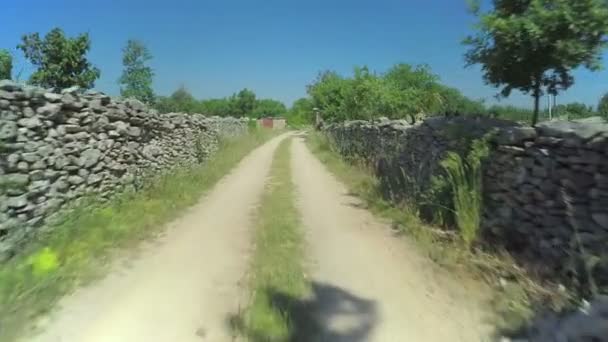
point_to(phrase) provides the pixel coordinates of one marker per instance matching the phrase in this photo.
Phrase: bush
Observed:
(465, 178)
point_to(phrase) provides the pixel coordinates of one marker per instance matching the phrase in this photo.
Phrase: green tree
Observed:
(243, 103)
(6, 65)
(136, 79)
(602, 107)
(269, 108)
(180, 101)
(574, 110)
(327, 93)
(533, 45)
(301, 113)
(219, 107)
(61, 60)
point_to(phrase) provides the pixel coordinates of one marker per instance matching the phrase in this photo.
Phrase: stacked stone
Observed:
(545, 188)
(57, 147)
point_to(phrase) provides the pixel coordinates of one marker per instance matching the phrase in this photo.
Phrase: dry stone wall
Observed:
(545, 188)
(57, 147)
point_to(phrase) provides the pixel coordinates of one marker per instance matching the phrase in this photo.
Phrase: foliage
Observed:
(61, 60)
(181, 101)
(136, 79)
(243, 103)
(219, 107)
(6, 65)
(301, 113)
(402, 92)
(465, 178)
(533, 45)
(31, 282)
(510, 113)
(268, 108)
(453, 102)
(602, 107)
(573, 110)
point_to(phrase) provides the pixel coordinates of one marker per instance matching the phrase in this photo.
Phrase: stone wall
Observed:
(57, 147)
(545, 188)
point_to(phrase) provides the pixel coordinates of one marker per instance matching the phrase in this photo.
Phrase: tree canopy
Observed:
(6, 65)
(136, 79)
(268, 108)
(61, 61)
(533, 45)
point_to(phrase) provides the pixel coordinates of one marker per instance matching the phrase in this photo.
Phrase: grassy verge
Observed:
(82, 241)
(277, 269)
(514, 291)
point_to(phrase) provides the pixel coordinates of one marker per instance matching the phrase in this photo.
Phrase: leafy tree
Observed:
(301, 113)
(575, 110)
(533, 45)
(6, 65)
(453, 102)
(136, 79)
(243, 103)
(510, 113)
(61, 60)
(269, 108)
(327, 93)
(602, 107)
(180, 101)
(219, 107)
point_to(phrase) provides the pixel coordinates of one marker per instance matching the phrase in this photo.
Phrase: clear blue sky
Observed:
(275, 47)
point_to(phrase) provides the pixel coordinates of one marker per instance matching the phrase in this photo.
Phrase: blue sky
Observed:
(275, 47)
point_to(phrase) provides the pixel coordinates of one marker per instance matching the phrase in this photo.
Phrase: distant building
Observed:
(273, 123)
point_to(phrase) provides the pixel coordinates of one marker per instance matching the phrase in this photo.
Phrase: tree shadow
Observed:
(328, 314)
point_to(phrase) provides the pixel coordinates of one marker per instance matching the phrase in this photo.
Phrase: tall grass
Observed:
(82, 241)
(465, 178)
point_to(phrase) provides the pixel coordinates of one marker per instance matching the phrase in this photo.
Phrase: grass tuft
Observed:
(277, 265)
(82, 240)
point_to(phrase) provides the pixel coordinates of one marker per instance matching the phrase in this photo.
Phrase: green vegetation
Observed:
(6, 65)
(465, 178)
(242, 104)
(534, 45)
(602, 107)
(61, 60)
(136, 79)
(301, 113)
(278, 258)
(83, 240)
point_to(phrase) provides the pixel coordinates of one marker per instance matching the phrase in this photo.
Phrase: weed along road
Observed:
(363, 283)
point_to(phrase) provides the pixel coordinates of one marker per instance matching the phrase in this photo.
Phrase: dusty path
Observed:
(182, 288)
(369, 285)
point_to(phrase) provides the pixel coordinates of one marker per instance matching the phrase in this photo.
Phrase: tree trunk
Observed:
(536, 102)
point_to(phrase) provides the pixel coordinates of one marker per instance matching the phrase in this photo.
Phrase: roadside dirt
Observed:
(183, 286)
(369, 285)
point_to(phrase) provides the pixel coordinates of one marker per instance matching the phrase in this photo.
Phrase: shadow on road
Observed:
(329, 314)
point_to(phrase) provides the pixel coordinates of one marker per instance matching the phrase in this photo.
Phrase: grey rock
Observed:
(134, 131)
(60, 186)
(23, 166)
(13, 180)
(601, 219)
(75, 180)
(31, 123)
(90, 157)
(30, 157)
(39, 187)
(8, 85)
(17, 202)
(52, 97)
(8, 130)
(71, 90)
(49, 111)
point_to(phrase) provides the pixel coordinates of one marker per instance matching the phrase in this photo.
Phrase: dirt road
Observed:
(368, 284)
(182, 288)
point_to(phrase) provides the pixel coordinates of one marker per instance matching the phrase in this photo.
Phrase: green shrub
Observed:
(465, 178)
